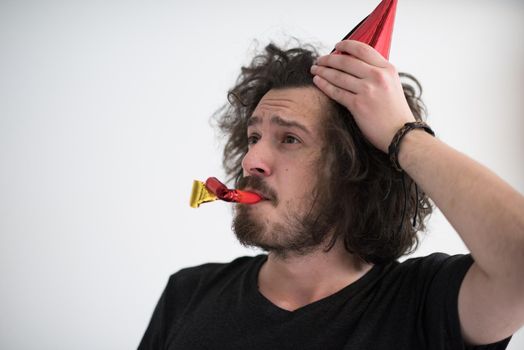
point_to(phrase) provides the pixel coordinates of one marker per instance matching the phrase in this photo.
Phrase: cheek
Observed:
(296, 173)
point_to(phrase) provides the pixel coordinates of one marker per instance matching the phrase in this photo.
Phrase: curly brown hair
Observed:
(372, 204)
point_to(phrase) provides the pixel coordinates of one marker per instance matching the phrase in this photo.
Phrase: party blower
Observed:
(213, 189)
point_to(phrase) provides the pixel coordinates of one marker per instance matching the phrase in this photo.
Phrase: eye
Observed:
(252, 139)
(290, 139)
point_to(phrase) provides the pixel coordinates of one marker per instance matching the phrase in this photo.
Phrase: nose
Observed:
(257, 161)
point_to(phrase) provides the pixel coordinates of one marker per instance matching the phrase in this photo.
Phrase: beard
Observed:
(303, 229)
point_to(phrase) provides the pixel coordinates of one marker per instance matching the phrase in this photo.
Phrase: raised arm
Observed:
(484, 210)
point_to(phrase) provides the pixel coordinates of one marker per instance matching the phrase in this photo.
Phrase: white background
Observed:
(104, 123)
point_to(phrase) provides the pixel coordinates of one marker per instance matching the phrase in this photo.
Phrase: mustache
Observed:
(256, 183)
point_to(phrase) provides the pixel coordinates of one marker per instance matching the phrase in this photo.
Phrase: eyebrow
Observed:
(278, 120)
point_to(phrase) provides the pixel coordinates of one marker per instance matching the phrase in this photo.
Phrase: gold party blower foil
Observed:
(200, 194)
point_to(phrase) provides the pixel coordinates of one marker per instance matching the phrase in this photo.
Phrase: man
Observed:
(336, 216)
(320, 139)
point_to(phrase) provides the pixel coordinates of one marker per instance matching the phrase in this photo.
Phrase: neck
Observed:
(294, 281)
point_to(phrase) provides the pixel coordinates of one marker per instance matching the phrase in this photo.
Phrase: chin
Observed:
(253, 224)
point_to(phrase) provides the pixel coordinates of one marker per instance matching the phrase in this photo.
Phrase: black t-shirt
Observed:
(409, 305)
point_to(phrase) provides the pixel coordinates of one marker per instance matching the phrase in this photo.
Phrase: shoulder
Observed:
(435, 282)
(211, 273)
(433, 272)
(419, 280)
(436, 262)
(188, 288)
(215, 268)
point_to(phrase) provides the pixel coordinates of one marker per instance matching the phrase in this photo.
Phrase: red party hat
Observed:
(376, 29)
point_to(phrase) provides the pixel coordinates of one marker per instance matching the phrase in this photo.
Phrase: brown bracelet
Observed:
(395, 143)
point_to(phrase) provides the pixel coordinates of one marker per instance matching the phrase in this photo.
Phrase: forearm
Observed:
(485, 211)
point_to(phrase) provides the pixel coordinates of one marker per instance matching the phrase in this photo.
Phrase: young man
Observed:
(321, 138)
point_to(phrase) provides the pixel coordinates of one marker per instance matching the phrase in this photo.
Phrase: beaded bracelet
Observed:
(395, 143)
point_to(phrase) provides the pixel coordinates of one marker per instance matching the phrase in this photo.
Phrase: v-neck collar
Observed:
(344, 293)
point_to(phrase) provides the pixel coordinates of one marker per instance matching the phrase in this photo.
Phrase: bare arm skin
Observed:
(486, 212)
(489, 216)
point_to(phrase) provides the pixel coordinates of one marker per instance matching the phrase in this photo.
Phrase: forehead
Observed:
(306, 105)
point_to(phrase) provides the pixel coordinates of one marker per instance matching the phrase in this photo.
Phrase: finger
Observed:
(342, 96)
(362, 51)
(346, 63)
(338, 78)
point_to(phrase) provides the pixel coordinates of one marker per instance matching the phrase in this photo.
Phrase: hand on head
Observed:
(369, 86)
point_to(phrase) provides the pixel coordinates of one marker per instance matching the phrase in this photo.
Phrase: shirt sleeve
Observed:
(442, 318)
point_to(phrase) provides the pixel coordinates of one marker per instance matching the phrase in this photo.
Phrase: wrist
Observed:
(399, 139)
(412, 142)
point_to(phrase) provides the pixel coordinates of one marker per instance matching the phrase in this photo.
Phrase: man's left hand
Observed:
(369, 86)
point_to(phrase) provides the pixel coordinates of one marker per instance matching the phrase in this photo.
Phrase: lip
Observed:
(264, 197)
